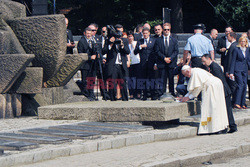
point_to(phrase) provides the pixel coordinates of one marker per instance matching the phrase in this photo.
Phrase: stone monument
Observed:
(33, 59)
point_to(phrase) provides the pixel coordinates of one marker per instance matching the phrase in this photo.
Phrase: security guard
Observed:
(198, 45)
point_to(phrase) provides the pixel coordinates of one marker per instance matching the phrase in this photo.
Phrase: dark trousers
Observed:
(230, 116)
(132, 80)
(166, 75)
(146, 82)
(86, 74)
(240, 93)
(170, 78)
(181, 89)
(118, 77)
(196, 62)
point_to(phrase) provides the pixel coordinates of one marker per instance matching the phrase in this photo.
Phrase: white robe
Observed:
(213, 106)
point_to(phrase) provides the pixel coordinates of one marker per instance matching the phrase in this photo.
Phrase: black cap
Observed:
(199, 26)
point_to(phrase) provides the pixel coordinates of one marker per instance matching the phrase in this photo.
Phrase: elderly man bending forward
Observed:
(213, 106)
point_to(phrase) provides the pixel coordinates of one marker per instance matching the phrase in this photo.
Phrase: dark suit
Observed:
(83, 47)
(228, 57)
(227, 64)
(69, 40)
(147, 61)
(166, 70)
(221, 44)
(239, 67)
(216, 70)
(138, 36)
(116, 72)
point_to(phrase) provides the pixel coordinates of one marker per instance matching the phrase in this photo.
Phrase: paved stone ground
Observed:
(141, 155)
(28, 122)
(157, 148)
(232, 162)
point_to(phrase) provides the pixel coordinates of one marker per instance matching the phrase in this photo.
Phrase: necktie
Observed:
(166, 45)
(90, 43)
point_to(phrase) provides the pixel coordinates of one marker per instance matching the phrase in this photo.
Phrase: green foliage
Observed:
(154, 22)
(236, 12)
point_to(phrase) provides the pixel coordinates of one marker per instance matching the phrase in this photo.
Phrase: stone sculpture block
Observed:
(11, 67)
(30, 81)
(67, 70)
(45, 37)
(11, 9)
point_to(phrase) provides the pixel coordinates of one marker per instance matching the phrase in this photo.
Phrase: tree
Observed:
(236, 12)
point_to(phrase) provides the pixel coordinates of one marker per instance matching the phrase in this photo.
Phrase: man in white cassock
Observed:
(213, 106)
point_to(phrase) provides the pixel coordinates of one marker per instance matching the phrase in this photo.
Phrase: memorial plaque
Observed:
(34, 138)
(16, 145)
(62, 133)
(112, 125)
(103, 131)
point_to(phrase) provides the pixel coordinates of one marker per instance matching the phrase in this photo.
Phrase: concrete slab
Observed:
(62, 133)
(33, 138)
(16, 145)
(107, 111)
(103, 131)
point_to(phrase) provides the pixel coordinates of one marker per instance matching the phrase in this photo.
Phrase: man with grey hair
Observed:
(213, 106)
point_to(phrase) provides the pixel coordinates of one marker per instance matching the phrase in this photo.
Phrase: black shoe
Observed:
(222, 131)
(154, 98)
(173, 94)
(106, 96)
(144, 98)
(232, 130)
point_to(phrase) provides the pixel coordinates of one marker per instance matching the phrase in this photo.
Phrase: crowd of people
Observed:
(142, 64)
(138, 65)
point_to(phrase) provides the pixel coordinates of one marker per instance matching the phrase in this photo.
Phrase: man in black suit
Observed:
(116, 66)
(213, 35)
(138, 35)
(216, 70)
(228, 58)
(158, 31)
(70, 40)
(223, 45)
(166, 48)
(85, 46)
(145, 48)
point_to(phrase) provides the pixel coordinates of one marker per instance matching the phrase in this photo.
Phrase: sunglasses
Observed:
(103, 31)
(93, 30)
(166, 29)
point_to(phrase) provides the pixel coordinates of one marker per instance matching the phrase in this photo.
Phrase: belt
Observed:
(195, 57)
